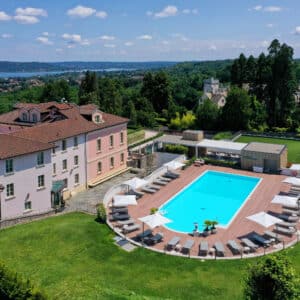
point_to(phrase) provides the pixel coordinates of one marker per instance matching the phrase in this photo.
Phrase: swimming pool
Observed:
(212, 196)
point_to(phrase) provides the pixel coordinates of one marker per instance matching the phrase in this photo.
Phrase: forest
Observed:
(261, 93)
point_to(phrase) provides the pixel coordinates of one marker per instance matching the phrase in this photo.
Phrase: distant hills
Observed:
(8, 66)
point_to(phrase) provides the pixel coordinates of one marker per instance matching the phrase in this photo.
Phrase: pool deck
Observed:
(260, 200)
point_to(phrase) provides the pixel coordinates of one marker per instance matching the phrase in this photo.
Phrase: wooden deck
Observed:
(259, 201)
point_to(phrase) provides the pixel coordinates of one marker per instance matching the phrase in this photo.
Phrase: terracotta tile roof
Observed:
(12, 146)
(43, 107)
(5, 128)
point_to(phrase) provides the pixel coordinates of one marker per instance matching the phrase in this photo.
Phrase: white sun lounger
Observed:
(173, 242)
(287, 231)
(288, 218)
(273, 235)
(203, 248)
(249, 244)
(164, 179)
(160, 182)
(187, 246)
(126, 222)
(286, 224)
(234, 247)
(131, 228)
(153, 187)
(220, 250)
(148, 190)
(291, 211)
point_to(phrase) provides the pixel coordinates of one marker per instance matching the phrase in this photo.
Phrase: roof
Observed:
(222, 146)
(265, 148)
(12, 146)
(176, 140)
(217, 98)
(5, 128)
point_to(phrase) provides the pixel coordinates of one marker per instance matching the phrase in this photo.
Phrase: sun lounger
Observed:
(290, 211)
(286, 224)
(131, 228)
(171, 175)
(249, 244)
(186, 248)
(125, 222)
(234, 247)
(260, 239)
(164, 179)
(154, 239)
(119, 210)
(220, 250)
(273, 235)
(173, 242)
(148, 190)
(291, 207)
(144, 234)
(288, 218)
(135, 193)
(203, 248)
(160, 182)
(118, 217)
(286, 231)
(153, 187)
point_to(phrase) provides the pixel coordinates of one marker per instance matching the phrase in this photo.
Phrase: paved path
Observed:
(89, 199)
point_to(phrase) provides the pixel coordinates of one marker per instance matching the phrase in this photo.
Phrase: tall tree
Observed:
(239, 71)
(207, 115)
(88, 88)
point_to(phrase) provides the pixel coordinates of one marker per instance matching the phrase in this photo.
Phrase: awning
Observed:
(222, 146)
(57, 186)
(155, 220)
(264, 219)
(124, 200)
(285, 200)
(174, 165)
(136, 182)
(295, 167)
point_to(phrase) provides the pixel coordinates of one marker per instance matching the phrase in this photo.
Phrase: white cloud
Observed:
(272, 9)
(44, 40)
(31, 11)
(195, 11)
(4, 16)
(186, 11)
(81, 11)
(73, 38)
(26, 19)
(101, 14)
(149, 13)
(109, 45)
(107, 38)
(213, 47)
(258, 7)
(128, 44)
(270, 25)
(168, 11)
(6, 36)
(180, 36)
(297, 30)
(265, 44)
(145, 37)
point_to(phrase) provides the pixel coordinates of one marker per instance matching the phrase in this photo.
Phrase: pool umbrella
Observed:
(174, 165)
(153, 221)
(264, 219)
(136, 182)
(285, 200)
(124, 200)
(292, 180)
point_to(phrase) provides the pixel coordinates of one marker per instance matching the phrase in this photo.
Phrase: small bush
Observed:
(280, 129)
(178, 149)
(153, 210)
(222, 163)
(12, 286)
(101, 213)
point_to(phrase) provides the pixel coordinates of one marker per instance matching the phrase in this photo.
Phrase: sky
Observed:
(144, 30)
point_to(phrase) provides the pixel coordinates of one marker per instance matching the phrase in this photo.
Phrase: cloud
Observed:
(145, 37)
(180, 36)
(213, 47)
(107, 38)
(128, 44)
(101, 14)
(265, 44)
(168, 11)
(109, 45)
(44, 40)
(6, 36)
(297, 30)
(31, 11)
(81, 11)
(272, 9)
(270, 25)
(26, 19)
(165, 43)
(149, 13)
(258, 7)
(188, 11)
(73, 38)
(4, 16)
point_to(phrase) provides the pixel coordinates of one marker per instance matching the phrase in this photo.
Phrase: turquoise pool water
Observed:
(212, 196)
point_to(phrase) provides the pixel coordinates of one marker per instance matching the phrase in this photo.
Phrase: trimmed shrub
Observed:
(178, 149)
(13, 287)
(222, 163)
(101, 213)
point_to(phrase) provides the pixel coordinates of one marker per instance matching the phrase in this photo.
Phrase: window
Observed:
(122, 137)
(122, 158)
(97, 119)
(24, 117)
(112, 162)
(76, 178)
(64, 164)
(40, 158)
(98, 145)
(64, 145)
(10, 190)
(76, 160)
(53, 151)
(34, 118)
(54, 169)
(99, 167)
(9, 166)
(111, 141)
(27, 205)
(41, 181)
(75, 141)
(65, 183)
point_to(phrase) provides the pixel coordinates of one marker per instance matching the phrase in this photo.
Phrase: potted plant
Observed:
(153, 210)
(213, 228)
(207, 225)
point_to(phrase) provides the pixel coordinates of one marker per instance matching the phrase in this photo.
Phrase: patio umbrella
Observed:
(285, 200)
(136, 182)
(153, 221)
(174, 165)
(292, 180)
(264, 219)
(124, 200)
(295, 167)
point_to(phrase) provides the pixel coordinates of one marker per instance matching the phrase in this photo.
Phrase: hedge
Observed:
(222, 163)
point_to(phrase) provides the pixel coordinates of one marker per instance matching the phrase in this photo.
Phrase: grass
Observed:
(225, 135)
(293, 146)
(135, 136)
(73, 257)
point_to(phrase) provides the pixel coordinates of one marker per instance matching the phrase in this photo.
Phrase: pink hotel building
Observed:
(50, 151)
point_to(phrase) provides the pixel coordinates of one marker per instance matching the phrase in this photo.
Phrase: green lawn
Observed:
(73, 257)
(293, 146)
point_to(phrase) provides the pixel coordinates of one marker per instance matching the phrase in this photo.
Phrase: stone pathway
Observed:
(88, 200)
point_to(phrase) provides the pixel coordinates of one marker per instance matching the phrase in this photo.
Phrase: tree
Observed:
(88, 89)
(272, 278)
(207, 115)
(132, 114)
(56, 91)
(239, 71)
(236, 113)
(259, 115)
